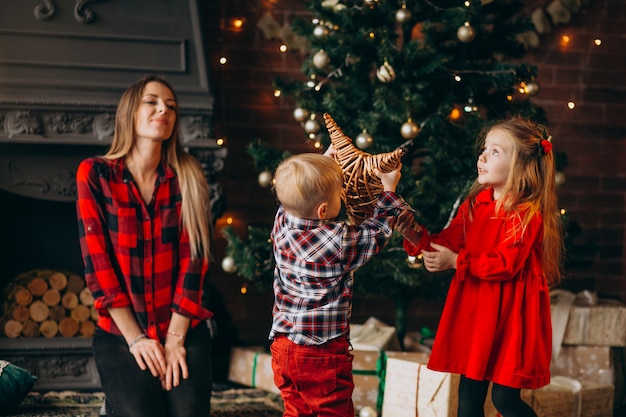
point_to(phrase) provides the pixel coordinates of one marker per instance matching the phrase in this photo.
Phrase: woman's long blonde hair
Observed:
(196, 215)
(531, 187)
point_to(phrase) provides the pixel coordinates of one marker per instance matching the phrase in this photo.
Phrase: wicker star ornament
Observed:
(361, 185)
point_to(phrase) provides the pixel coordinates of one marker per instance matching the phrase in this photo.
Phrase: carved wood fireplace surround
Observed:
(63, 66)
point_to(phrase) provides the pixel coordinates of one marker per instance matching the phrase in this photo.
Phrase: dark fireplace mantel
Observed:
(40, 149)
(63, 67)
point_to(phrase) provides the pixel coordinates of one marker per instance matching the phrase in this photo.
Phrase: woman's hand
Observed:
(149, 354)
(176, 359)
(439, 260)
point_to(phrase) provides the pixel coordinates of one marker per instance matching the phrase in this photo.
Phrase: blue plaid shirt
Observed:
(314, 262)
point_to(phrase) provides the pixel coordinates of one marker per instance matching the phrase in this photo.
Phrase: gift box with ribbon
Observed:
(584, 319)
(252, 367)
(570, 397)
(411, 389)
(370, 341)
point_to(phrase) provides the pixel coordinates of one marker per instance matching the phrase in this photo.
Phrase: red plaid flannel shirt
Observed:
(137, 255)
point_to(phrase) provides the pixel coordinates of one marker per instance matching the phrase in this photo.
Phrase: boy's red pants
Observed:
(315, 381)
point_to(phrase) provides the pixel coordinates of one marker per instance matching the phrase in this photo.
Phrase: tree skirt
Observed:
(245, 402)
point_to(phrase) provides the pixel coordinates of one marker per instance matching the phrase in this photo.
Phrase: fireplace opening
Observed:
(37, 234)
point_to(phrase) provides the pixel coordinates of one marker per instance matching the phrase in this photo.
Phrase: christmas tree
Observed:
(419, 74)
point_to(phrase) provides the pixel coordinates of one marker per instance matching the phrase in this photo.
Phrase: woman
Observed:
(145, 238)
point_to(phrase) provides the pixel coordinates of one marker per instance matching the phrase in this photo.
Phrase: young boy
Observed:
(315, 255)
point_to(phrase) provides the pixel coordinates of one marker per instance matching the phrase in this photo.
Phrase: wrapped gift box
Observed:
(566, 397)
(252, 366)
(374, 335)
(556, 400)
(602, 324)
(602, 364)
(370, 341)
(411, 389)
(585, 363)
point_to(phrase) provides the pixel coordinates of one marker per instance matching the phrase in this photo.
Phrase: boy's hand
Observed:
(391, 179)
(331, 152)
(409, 228)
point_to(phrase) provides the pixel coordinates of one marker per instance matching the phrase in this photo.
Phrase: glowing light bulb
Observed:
(223, 60)
(229, 220)
(598, 42)
(237, 23)
(455, 114)
(283, 48)
(571, 105)
(220, 141)
(457, 78)
(277, 93)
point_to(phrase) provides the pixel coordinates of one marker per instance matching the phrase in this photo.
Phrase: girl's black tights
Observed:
(472, 395)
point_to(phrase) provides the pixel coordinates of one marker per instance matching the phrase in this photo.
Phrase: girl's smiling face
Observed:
(494, 162)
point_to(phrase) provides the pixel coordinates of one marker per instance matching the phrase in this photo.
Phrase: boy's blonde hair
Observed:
(303, 181)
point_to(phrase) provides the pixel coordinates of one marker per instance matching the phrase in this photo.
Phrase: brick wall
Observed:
(593, 135)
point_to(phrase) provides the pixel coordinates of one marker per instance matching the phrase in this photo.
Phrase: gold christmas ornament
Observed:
(265, 179)
(409, 129)
(300, 114)
(364, 140)
(386, 73)
(466, 33)
(228, 265)
(321, 59)
(360, 183)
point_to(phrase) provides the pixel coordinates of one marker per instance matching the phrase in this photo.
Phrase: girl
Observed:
(144, 231)
(506, 246)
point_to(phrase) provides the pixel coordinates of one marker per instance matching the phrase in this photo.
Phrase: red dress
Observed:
(495, 323)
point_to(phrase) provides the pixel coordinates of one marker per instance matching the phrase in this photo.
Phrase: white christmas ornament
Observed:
(320, 31)
(386, 73)
(311, 126)
(228, 264)
(466, 33)
(321, 59)
(403, 15)
(364, 140)
(265, 179)
(368, 411)
(559, 178)
(409, 129)
(300, 114)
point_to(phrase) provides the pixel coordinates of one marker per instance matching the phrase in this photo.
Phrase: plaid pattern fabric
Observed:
(136, 255)
(314, 262)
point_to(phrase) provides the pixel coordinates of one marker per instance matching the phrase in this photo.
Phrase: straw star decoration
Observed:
(360, 182)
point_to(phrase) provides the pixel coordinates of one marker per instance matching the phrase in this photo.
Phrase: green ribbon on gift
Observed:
(379, 372)
(254, 362)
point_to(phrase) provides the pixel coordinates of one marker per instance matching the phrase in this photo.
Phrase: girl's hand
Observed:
(149, 354)
(391, 179)
(441, 259)
(176, 358)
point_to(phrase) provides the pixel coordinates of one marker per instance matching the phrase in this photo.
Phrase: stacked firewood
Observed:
(47, 303)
